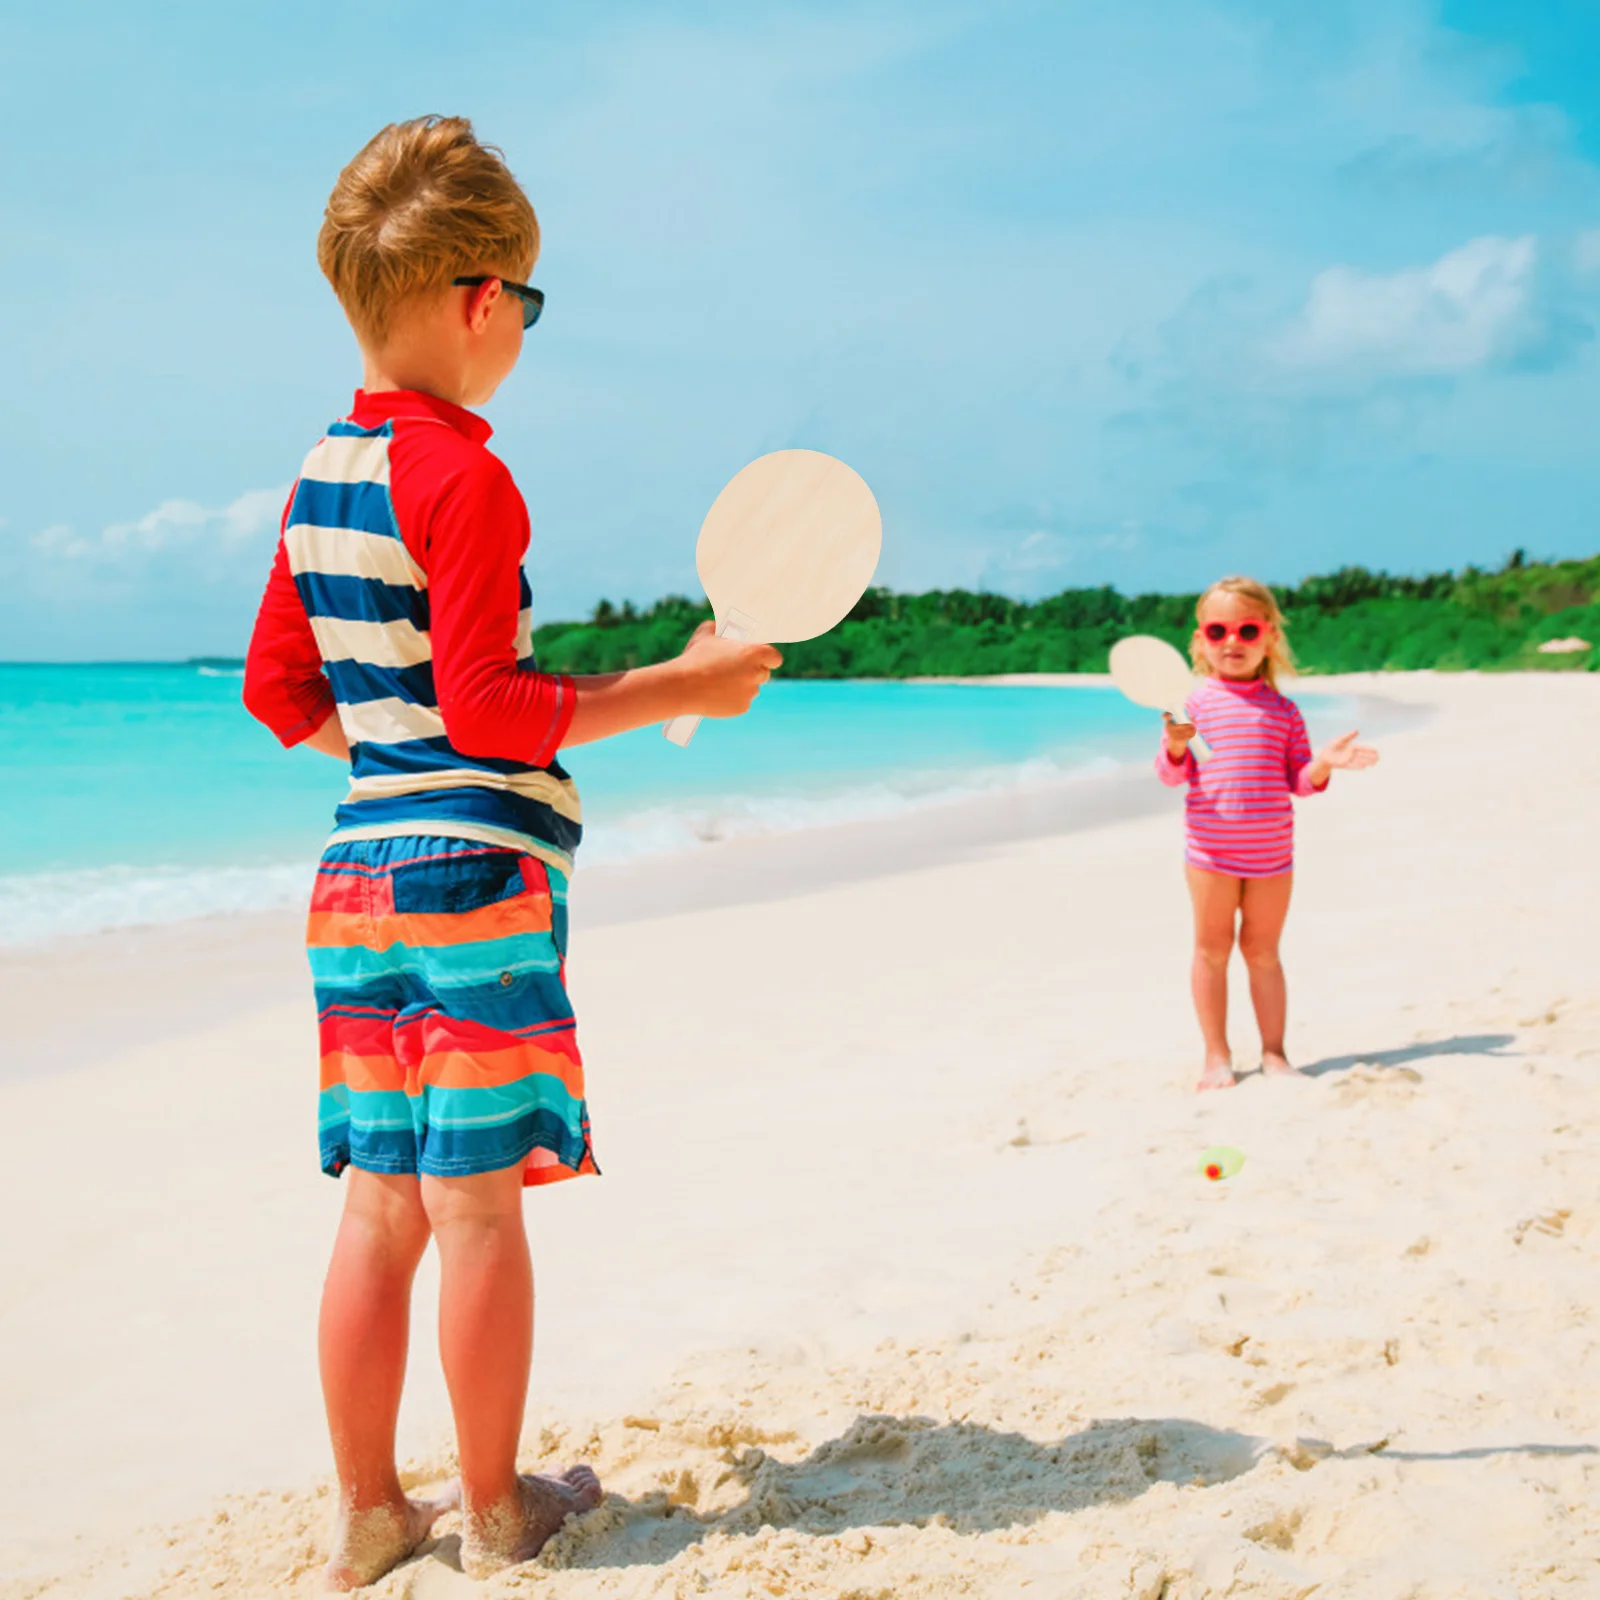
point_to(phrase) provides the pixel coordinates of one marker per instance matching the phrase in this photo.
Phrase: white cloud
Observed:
(59, 540)
(1039, 551)
(1473, 307)
(1040, 561)
(173, 524)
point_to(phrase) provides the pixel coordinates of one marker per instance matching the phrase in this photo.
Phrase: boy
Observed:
(395, 633)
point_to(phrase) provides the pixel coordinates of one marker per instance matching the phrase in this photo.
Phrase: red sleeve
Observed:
(1174, 773)
(284, 684)
(474, 537)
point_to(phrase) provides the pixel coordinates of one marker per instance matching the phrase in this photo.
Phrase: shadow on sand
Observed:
(887, 1471)
(1465, 1044)
(911, 1471)
(1486, 1451)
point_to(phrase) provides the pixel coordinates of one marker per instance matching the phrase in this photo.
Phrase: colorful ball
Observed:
(1220, 1162)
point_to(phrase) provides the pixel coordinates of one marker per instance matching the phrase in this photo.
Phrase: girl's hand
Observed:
(1178, 736)
(1345, 752)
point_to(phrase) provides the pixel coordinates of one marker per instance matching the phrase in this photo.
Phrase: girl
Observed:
(1240, 833)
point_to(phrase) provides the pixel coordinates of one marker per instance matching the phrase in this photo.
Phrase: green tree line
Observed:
(1352, 620)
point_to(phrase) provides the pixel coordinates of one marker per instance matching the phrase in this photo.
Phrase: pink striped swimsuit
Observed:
(1240, 818)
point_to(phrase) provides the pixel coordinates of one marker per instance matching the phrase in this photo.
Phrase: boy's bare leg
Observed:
(1216, 904)
(486, 1344)
(1266, 906)
(361, 1344)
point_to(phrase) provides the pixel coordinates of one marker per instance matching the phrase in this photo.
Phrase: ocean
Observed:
(145, 793)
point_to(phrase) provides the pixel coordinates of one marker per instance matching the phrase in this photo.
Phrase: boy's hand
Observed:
(1178, 736)
(720, 677)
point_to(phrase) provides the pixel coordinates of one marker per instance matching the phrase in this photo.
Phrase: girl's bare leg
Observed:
(1216, 905)
(361, 1346)
(1265, 906)
(486, 1344)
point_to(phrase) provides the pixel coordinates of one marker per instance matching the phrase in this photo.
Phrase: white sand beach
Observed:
(902, 1279)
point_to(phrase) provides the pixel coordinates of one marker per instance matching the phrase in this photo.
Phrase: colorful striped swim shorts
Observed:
(448, 1042)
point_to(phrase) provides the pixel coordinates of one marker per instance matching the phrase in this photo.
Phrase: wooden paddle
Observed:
(786, 549)
(1151, 673)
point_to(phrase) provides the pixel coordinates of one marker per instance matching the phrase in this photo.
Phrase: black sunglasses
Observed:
(532, 299)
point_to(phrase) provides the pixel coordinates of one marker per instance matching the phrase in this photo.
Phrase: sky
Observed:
(1100, 291)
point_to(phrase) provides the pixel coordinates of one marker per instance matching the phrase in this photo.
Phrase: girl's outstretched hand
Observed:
(1345, 752)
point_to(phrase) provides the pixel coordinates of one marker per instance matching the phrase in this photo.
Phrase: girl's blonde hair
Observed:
(1279, 659)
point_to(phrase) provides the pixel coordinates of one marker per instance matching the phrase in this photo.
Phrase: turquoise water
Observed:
(146, 793)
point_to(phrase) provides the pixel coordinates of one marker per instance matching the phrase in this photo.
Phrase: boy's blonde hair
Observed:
(1279, 659)
(424, 202)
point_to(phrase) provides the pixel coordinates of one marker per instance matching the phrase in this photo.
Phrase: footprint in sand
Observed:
(1552, 1224)
(1367, 1083)
(1035, 1136)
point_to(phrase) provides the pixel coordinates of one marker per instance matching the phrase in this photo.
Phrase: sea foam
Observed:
(39, 907)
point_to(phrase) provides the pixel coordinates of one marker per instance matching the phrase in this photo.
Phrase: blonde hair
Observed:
(1279, 659)
(423, 202)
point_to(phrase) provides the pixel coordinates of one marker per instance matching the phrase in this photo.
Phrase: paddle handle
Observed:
(1202, 751)
(680, 730)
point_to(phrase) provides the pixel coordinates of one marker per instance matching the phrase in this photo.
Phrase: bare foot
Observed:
(516, 1531)
(369, 1543)
(1275, 1064)
(1216, 1074)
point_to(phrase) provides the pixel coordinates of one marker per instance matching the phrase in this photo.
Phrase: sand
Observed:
(902, 1279)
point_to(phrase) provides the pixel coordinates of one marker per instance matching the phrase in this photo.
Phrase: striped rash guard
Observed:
(397, 598)
(1239, 815)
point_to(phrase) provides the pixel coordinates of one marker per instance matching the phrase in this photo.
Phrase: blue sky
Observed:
(1126, 291)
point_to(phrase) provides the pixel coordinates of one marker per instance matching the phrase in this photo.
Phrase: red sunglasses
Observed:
(1248, 632)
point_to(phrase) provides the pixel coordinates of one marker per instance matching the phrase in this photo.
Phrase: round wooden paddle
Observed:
(1151, 673)
(786, 549)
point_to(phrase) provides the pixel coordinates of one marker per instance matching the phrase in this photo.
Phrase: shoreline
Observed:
(1307, 682)
(246, 960)
(250, 959)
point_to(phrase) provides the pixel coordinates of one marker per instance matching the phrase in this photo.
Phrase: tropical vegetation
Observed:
(1347, 621)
